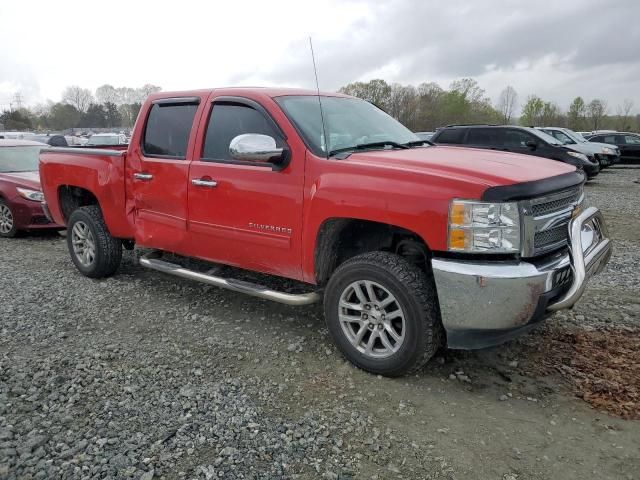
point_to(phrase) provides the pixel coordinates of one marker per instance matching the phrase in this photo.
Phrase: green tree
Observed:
(596, 110)
(63, 116)
(532, 111)
(112, 115)
(20, 119)
(375, 91)
(95, 116)
(576, 115)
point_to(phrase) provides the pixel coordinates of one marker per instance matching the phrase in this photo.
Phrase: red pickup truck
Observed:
(410, 246)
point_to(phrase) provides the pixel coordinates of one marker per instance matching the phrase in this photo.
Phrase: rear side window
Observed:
(484, 136)
(452, 136)
(609, 139)
(167, 131)
(631, 140)
(227, 121)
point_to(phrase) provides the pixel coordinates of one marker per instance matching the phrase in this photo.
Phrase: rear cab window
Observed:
(168, 128)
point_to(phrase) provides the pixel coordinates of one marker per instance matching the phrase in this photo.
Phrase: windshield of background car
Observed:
(574, 136)
(559, 135)
(545, 136)
(348, 122)
(106, 140)
(19, 159)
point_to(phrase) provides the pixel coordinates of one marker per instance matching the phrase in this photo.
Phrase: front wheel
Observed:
(382, 313)
(93, 250)
(8, 228)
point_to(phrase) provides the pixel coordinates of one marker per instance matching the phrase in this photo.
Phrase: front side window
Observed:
(167, 131)
(517, 139)
(19, 159)
(561, 136)
(348, 122)
(631, 140)
(608, 139)
(227, 121)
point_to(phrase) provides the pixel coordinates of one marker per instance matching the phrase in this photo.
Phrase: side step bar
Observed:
(152, 261)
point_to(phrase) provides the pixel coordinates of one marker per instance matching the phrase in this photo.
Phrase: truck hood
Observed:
(475, 165)
(24, 179)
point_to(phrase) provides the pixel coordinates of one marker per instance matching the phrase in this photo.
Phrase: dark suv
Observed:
(628, 143)
(517, 140)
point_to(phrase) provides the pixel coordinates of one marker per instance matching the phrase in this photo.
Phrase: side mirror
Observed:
(532, 144)
(254, 147)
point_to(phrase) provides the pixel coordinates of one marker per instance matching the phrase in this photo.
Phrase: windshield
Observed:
(545, 136)
(348, 121)
(19, 159)
(574, 136)
(560, 135)
(103, 140)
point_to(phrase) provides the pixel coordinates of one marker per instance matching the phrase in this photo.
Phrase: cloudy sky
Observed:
(555, 49)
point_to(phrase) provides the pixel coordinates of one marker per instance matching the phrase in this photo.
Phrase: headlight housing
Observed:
(579, 155)
(481, 227)
(35, 195)
(607, 151)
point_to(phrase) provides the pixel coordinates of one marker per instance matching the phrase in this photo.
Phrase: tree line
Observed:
(428, 106)
(107, 107)
(421, 108)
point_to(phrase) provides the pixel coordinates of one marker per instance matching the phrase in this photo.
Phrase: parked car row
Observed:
(410, 245)
(628, 143)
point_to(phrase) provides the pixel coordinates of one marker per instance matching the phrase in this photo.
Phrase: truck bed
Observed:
(98, 172)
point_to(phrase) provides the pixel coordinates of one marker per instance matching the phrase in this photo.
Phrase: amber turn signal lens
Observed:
(457, 214)
(456, 239)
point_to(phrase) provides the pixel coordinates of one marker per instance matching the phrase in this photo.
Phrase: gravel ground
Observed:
(147, 376)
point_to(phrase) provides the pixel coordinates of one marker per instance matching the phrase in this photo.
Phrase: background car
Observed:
(627, 142)
(524, 140)
(102, 139)
(20, 194)
(606, 154)
(54, 140)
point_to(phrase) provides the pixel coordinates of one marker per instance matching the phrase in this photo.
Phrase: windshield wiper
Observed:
(364, 146)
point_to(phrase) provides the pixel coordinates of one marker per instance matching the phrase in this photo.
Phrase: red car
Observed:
(20, 194)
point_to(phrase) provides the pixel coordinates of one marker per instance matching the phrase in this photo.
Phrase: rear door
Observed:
(159, 170)
(243, 213)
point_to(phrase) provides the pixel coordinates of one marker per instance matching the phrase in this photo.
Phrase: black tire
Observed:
(415, 293)
(108, 250)
(14, 230)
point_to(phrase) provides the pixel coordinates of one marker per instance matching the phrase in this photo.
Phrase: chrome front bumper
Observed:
(487, 303)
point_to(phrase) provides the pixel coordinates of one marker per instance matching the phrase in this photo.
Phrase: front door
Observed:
(630, 147)
(158, 168)
(245, 213)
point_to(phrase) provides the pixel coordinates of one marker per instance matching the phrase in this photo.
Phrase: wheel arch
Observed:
(338, 239)
(71, 197)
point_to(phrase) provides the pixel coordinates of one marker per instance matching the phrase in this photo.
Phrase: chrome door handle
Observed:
(145, 177)
(198, 182)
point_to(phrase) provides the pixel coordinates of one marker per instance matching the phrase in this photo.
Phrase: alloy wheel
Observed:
(372, 319)
(6, 219)
(84, 246)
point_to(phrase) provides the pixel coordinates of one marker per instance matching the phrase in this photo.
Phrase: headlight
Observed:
(581, 156)
(479, 227)
(35, 195)
(607, 151)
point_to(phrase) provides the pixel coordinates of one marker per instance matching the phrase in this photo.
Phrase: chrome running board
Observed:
(152, 261)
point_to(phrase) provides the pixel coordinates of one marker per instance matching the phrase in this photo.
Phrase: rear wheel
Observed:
(8, 227)
(94, 251)
(382, 313)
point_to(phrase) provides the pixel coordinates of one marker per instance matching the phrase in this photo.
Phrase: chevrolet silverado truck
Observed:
(410, 246)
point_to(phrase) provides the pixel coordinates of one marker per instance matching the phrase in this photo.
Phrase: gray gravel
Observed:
(146, 376)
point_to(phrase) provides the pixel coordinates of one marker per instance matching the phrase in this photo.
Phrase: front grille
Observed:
(39, 220)
(562, 276)
(546, 207)
(551, 237)
(546, 220)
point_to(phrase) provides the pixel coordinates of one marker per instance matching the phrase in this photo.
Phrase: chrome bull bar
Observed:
(586, 260)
